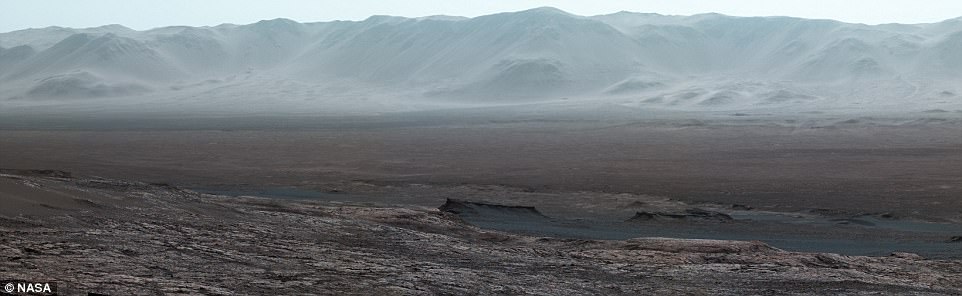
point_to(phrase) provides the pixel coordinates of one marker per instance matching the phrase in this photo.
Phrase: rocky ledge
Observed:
(120, 238)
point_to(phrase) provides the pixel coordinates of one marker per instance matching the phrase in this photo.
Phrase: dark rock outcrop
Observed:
(852, 221)
(37, 173)
(694, 214)
(460, 207)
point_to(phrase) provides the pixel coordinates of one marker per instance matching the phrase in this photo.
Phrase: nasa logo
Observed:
(29, 288)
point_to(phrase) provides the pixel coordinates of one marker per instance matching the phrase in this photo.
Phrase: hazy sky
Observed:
(143, 14)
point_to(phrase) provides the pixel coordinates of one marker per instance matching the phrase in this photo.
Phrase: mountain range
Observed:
(638, 60)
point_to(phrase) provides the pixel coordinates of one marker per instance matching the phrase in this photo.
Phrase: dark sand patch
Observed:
(865, 236)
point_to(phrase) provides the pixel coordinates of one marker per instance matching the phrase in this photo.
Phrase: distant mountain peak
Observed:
(277, 21)
(384, 18)
(545, 10)
(112, 28)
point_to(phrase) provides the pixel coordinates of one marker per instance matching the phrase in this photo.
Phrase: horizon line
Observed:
(469, 18)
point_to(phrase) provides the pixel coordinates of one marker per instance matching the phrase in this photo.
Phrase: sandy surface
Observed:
(909, 170)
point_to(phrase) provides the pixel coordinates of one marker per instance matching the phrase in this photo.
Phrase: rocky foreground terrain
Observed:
(94, 235)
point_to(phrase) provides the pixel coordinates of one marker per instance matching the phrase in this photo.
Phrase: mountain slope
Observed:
(705, 62)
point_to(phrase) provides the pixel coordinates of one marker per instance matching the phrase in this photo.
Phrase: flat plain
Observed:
(911, 170)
